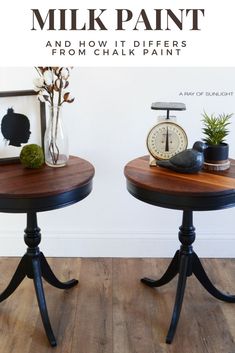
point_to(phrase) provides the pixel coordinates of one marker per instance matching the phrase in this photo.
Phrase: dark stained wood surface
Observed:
(166, 181)
(17, 181)
(201, 191)
(111, 311)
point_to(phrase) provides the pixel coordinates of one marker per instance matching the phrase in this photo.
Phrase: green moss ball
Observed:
(31, 156)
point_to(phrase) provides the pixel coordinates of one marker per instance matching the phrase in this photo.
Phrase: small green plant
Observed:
(215, 128)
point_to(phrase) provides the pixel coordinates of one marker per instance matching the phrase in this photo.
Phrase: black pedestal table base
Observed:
(35, 266)
(185, 263)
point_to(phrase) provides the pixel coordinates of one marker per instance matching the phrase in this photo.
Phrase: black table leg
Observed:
(37, 279)
(170, 273)
(179, 297)
(35, 266)
(185, 262)
(201, 275)
(17, 278)
(49, 276)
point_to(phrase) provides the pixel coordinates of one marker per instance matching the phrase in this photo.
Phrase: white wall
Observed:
(107, 125)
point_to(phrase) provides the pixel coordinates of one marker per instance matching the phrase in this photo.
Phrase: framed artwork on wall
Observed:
(22, 121)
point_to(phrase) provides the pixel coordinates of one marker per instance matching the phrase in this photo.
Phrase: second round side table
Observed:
(36, 190)
(187, 192)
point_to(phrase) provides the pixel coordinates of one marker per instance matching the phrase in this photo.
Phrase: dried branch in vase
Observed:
(52, 84)
(52, 87)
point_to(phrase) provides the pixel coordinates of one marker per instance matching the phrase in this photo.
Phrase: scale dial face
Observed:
(166, 139)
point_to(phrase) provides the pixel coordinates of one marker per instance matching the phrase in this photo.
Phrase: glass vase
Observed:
(56, 139)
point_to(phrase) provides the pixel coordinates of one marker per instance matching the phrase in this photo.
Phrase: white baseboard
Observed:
(123, 244)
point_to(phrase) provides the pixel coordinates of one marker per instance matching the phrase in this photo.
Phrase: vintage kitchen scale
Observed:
(167, 137)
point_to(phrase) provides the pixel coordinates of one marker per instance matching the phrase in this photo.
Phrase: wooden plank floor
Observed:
(110, 311)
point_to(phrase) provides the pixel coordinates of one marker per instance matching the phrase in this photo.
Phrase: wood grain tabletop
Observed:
(139, 173)
(17, 181)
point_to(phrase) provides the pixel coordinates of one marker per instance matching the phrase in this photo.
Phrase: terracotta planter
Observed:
(216, 154)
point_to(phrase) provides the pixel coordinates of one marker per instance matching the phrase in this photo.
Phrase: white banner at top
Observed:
(117, 33)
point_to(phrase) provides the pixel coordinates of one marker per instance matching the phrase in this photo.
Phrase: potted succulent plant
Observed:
(215, 131)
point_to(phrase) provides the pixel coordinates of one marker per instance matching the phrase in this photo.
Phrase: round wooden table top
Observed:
(46, 188)
(165, 188)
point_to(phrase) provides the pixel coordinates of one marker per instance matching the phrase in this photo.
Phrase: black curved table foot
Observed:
(186, 262)
(179, 297)
(35, 266)
(50, 277)
(17, 278)
(170, 273)
(202, 277)
(42, 301)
